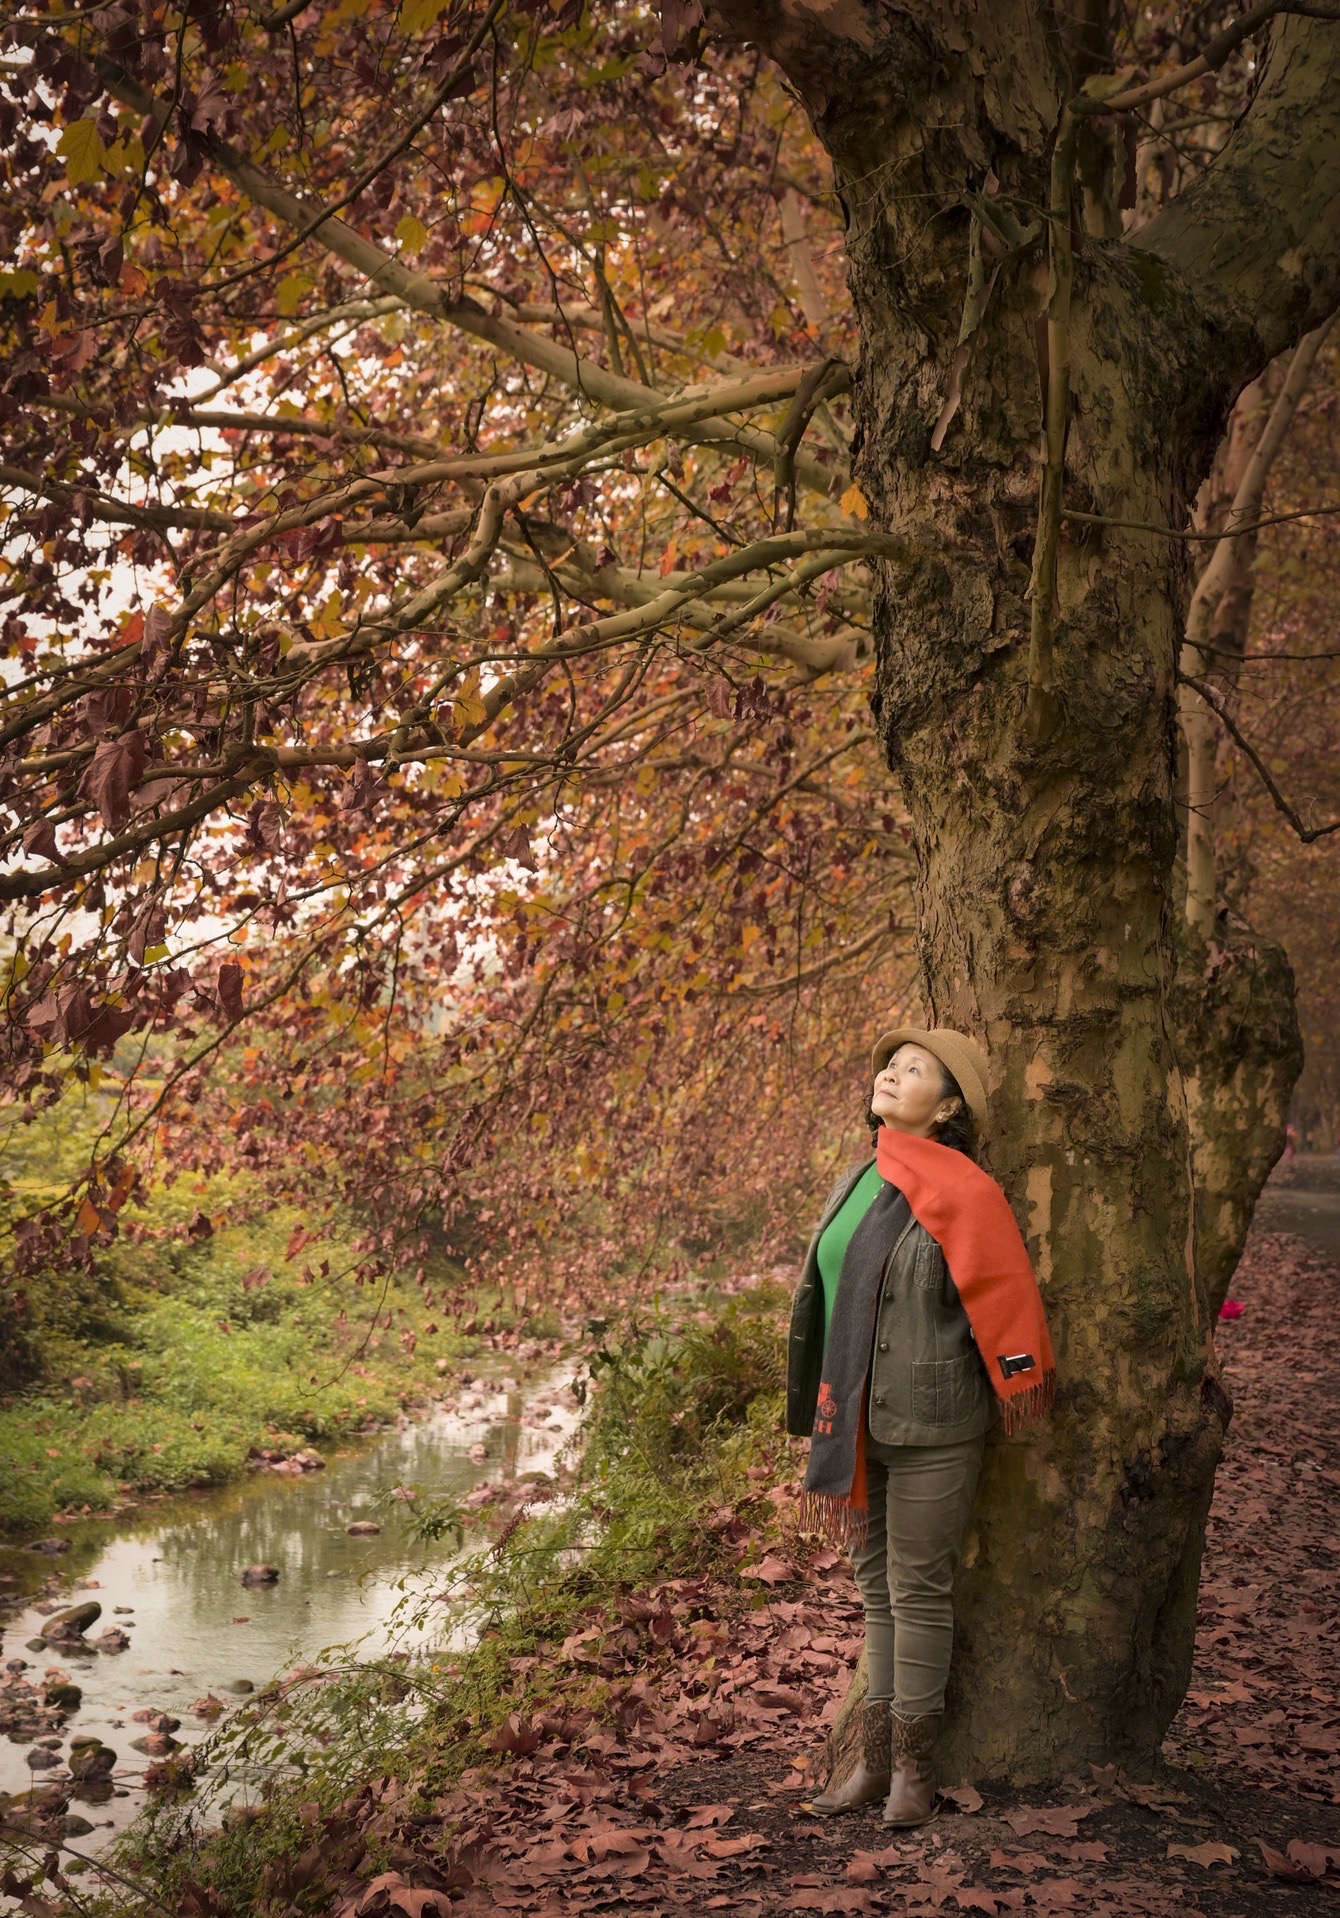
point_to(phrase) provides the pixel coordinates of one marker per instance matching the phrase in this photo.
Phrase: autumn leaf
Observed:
(770, 1570)
(854, 503)
(1210, 1853)
(1059, 1821)
(82, 151)
(290, 293)
(112, 776)
(416, 16)
(964, 1798)
(229, 986)
(411, 233)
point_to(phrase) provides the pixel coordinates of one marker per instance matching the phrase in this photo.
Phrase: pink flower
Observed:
(1231, 1309)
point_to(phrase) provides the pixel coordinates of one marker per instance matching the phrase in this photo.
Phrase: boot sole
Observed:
(910, 1824)
(837, 1811)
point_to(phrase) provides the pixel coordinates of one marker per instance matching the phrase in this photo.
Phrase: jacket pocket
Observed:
(928, 1274)
(944, 1390)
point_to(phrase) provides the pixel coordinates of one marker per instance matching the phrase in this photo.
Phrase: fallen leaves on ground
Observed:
(667, 1772)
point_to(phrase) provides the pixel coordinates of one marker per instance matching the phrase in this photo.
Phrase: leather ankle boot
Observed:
(870, 1780)
(912, 1788)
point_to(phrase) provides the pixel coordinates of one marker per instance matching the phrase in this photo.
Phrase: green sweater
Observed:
(836, 1236)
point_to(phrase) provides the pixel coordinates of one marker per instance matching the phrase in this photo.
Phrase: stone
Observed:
(309, 1460)
(157, 1720)
(363, 1528)
(260, 1575)
(155, 1744)
(40, 1759)
(73, 1826)
(53, 1547)
(91, 1760)
(112, 1640)
(239, 1685)
(74, 1621)
(63, 1697)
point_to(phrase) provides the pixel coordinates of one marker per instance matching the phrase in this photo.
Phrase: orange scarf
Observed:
(965, 1211)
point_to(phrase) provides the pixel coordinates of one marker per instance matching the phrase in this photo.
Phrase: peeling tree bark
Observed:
(1046, 854)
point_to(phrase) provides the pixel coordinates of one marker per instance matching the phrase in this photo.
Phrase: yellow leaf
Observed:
(18, 285)
(854, 503)
(415, 15)
(87, 1219)
(290, 291)
(411, 233)
(328, 623)
(82, 152)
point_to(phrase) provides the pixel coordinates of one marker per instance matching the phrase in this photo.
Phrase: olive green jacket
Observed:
(928, 1385)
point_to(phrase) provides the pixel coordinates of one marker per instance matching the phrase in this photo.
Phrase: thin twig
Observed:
(1306, 833)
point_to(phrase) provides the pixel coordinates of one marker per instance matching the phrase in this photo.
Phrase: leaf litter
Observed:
(705, 1697)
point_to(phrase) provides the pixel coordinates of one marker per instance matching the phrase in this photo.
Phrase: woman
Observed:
(917, 1312)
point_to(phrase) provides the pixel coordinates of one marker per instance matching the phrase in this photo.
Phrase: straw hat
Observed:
(957, 1051)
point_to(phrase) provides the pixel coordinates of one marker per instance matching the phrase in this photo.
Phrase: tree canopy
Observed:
(439, 629)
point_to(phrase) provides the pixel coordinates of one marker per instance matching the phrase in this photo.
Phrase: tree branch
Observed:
(1256, 239)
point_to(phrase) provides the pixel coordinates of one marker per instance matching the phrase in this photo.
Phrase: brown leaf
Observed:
(1317, 1859)
(1060, 1821)
(230, 990)
(964, 1798)
(112, 775)
(709, 1815)
(1210, 1853)
(770, 1570)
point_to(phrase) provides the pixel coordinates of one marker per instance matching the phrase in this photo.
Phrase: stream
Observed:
(169, 1573)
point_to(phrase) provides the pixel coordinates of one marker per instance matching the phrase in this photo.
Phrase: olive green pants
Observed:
(920, 1498)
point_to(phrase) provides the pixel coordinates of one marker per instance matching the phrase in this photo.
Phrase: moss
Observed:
(1154, 279)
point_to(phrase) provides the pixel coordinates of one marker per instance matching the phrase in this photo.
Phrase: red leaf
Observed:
(230, 992)
(112, 776)
(41, 838)
(770, 1570)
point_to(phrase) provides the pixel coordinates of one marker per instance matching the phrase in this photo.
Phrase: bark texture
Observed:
(1046, 854)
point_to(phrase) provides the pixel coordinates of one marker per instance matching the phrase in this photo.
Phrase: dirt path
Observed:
(1304, 1198)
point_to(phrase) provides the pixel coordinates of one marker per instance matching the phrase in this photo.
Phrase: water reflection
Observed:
(195, 1629)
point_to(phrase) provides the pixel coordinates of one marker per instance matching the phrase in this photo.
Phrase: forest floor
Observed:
(687, 1788)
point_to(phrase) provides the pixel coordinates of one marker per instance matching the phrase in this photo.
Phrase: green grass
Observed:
(168, 1363)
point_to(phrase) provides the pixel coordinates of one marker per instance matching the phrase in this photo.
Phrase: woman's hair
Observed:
(959, 1130)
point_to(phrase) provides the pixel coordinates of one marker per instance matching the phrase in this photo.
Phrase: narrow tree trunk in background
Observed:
(1046, 893)
(1241, 1052)
(1219, 619)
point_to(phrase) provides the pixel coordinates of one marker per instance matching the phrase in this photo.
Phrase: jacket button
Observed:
(879, 1401)
(884, 1345)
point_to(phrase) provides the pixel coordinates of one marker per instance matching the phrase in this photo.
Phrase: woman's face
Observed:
(909, 1093)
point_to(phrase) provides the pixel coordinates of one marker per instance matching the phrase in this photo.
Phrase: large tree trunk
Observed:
(1046, 850)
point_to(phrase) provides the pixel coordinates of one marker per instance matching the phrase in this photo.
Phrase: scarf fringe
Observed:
(1029, 1406)
(835, 1520)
